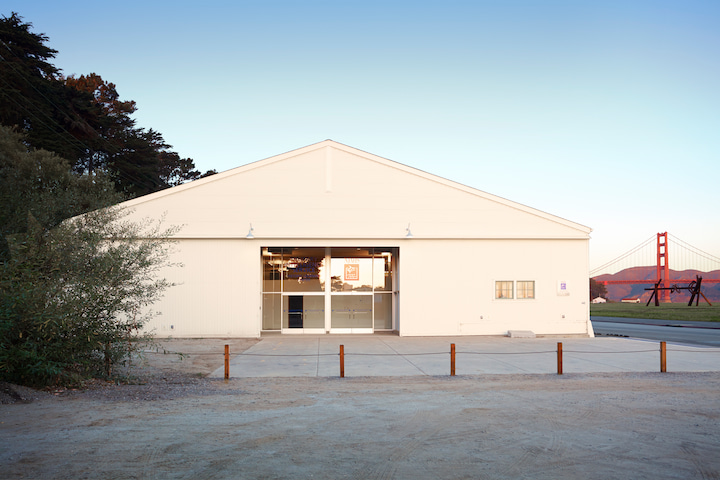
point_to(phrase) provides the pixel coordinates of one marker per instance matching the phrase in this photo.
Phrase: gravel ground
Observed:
(174, 368)
(175, 423)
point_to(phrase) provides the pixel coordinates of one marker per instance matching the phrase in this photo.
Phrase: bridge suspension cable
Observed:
(682, 256)
(690, 257)
(599, 270)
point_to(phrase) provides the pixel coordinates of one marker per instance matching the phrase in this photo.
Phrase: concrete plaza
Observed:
(390, 355)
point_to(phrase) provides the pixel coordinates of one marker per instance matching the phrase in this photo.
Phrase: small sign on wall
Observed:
(352, 272)
(563, 289)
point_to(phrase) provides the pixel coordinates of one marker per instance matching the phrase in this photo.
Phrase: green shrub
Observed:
(74, 298)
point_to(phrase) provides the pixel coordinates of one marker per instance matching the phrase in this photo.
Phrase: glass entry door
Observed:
(352, 313)
(303, 313)
(351, 285)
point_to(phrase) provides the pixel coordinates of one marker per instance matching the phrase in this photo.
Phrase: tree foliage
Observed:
(42, 184)
(72, 302)
(597, 289)
(73, 291)
(80, 118)
(76, 278)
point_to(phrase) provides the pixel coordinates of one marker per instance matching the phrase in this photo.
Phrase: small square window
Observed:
(526, 289)
(504, 289)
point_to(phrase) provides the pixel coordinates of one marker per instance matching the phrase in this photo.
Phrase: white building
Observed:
(331, 239)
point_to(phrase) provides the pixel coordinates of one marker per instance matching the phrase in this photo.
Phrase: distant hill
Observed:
(618, 292)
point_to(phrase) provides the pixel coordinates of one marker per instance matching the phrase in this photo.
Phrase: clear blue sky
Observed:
(606, 113)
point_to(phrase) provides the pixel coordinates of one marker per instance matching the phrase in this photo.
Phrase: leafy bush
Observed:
(76, 276)
(74, 297)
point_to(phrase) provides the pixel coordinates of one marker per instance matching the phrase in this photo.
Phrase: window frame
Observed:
(515, 291)
(518, 290)
(500, 289)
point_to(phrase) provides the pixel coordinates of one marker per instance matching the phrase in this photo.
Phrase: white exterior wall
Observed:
(325, 192)
(216, 292)
(448, 287)
(331, 195)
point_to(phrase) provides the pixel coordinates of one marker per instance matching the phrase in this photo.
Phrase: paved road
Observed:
(697, 333)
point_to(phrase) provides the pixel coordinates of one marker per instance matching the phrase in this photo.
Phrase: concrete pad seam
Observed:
(596, 362)
(317, 359)
(510, 365)
(404, 357)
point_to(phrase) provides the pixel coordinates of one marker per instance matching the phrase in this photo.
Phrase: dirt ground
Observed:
(175, 423)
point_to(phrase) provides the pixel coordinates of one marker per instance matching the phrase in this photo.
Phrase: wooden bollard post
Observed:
(559, 359)
(342, 361)
(663, 357)
(227, 362)
(452, 359)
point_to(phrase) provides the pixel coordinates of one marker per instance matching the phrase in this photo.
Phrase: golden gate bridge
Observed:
(687, 259)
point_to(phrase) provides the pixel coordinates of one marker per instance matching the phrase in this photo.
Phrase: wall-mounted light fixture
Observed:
(250, 232)
(409, 233)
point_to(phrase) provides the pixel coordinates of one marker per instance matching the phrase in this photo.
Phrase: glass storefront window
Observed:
(382, 269)
(272, 269)
(383, 311)
(302, 269)
(271, 311)
(295, 290)
(351, 270)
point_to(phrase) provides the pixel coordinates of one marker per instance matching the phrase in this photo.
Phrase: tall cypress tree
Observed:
(82, 119)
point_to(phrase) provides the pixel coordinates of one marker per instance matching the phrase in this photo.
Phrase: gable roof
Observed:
(331, 190)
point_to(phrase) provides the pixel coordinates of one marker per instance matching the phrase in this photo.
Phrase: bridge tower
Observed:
(663, 268)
